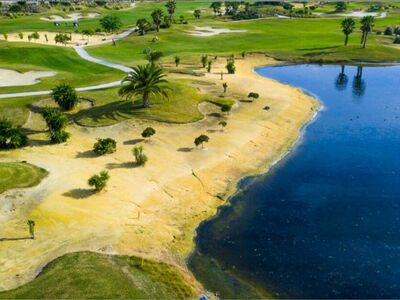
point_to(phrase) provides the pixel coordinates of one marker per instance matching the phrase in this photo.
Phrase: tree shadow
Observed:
(185, 149)
(86, 154)
(215, 115)
(125, 165)
(39, 143)
(213, 130)
(79, 193)
(16, 239)
(317, 48)
(133, 142)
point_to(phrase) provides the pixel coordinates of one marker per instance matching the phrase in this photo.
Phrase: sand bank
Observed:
(151, 211)
(206, 31)
(14, 78)
(71, 17)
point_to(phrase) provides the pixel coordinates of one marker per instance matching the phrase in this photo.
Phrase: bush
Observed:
(396, 40)
(54, 118)
(99, 182)
(148, 132)
(226, 108)
(253, 95)
(140, 157)
(65, 96)
(388, 31)
(11, 137)
(58, 136)
(230, 66)
(201, 139)
(105, 146)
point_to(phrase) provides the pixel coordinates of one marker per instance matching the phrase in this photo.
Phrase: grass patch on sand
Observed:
(180, 107)
(24, 57)
(19, 175)
(85, 275)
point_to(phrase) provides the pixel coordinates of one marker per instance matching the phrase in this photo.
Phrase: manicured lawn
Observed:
(88, 275)
(65, 62)
(180, 107)
(19, 175)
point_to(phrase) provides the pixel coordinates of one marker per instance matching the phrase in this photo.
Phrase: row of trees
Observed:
(349, 24)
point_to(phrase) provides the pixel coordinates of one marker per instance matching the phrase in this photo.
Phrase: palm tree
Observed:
(157, 16)
(142, 26)
(171, 6)
(197, 13)
(341, 80)
(145, 80)
(31, 225)
(367, 23)
(348, 26)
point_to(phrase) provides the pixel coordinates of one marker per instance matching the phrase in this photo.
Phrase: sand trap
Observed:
(360, 14)
(72, 17)
(14, 78)
(210, 31)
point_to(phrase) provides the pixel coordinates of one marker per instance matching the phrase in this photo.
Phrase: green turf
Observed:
(19, 175)
(180, 107)
(88, 275)
(65, 62)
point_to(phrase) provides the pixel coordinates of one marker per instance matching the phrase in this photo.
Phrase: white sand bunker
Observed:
(14, 78)
(360, 14)
(210, 31)
(71, 17)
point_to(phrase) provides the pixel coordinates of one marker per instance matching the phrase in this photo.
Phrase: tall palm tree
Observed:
(367, 23)
(157, 16)
(145, 80)
(348, 26)
(171, 6)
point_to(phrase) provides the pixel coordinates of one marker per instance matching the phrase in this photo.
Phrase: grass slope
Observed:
(88, 275)
(19, 175)
(69, 66)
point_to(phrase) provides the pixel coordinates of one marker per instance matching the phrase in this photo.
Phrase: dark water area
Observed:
(325, 221)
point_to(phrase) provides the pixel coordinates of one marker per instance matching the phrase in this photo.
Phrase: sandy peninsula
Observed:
(149, 211)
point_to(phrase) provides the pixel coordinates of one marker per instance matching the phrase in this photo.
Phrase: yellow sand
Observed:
(154, 210)
(77, 39)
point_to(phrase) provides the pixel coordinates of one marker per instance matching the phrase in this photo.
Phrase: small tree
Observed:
(200, 140)
(340, 6)
(105, 146)
(230, 67)
(65, 96)
(154, 56)
(11, 137)
(171, 7)
(31, 225)
(21, 36)
(61, 38)
(177, 60)
(140, 157)
(209, 64)
(204, 60)
(388, 31)
(226, 108)
(143, 25)
(157, 16)
(56, 121)
(5, 35)
(223, 124)
(243, 54)
(110, 24)
(148, 132)
(197, 13)
(253, 95)
(99, 181)
(225, 86)
(35, 35)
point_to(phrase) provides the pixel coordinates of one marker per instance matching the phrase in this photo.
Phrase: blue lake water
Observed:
(325, 221)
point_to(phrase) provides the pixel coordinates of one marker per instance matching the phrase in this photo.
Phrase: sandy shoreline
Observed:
(151, 211)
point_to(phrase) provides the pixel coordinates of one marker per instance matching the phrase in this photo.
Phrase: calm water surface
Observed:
(325, 222)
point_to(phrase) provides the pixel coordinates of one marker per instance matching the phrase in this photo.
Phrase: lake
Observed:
(325, 221)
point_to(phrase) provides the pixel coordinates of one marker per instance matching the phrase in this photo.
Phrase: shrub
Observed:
(223, 124)
(230, 67)
(177, 60)
(58, 136)
(388, 31)
(397, 39)
(54, 118)
(99, 182)
(105, 146)
(209, 64)
(204, 60)
(140, 157)
(226, 108)
(201, 139)
(11, 137)
(148, 132)
(225, 86)
(65, 96)
(253, 95)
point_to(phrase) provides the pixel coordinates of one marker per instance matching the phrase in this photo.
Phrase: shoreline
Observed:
(154, 211)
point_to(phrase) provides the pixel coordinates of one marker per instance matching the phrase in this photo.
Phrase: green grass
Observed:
(180, 107)
(88, 275)
(19, 175)
(69, 66)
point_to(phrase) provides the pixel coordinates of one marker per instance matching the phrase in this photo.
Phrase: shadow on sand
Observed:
(79, 193)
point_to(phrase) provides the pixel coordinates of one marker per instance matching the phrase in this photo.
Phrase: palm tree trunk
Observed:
(362, 38)
(146, 101)
(365, 40)
(346, 39)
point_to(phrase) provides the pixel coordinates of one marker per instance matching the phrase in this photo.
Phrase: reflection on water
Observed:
(325, 222)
